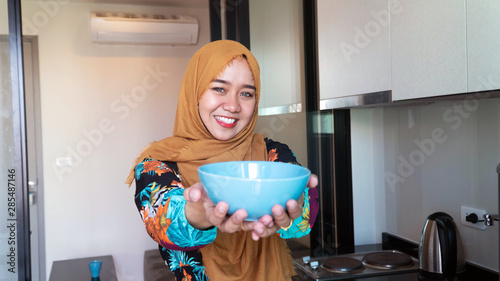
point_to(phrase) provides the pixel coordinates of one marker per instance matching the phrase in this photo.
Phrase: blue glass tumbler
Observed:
(95, 268)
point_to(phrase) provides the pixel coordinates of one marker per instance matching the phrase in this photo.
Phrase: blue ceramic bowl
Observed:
(255, 186)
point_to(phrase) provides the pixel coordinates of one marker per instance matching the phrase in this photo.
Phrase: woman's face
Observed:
(228, 104)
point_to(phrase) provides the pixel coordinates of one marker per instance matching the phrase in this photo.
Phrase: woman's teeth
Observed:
(225, 119)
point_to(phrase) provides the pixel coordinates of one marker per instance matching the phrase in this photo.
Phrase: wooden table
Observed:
(78, 269)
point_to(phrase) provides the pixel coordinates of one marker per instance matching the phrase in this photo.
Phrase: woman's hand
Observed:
(267, 225)
(202, 213)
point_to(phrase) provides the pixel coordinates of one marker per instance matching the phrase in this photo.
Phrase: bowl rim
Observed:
(307, 174)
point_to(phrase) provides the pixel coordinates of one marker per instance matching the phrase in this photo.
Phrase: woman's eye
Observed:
(218, 89)
(247, 94)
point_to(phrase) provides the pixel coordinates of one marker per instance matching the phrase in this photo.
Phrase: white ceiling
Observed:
(171, 3)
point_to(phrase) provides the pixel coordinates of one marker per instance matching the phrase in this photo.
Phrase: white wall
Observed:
(455, 167)
(95, 111)
(4, 22)
(366, 180)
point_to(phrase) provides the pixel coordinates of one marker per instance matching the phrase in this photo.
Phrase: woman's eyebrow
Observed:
(229, 83)
(250, 87)
(221, 81)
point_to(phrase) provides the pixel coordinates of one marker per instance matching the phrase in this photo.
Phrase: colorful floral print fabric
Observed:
(159, 199)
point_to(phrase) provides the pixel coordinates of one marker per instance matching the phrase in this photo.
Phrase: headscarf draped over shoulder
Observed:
(191, 144)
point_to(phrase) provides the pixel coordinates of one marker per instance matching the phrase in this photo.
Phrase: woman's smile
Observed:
(226, 122)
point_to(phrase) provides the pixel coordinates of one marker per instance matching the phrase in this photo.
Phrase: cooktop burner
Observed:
(357, 265)
(387, 260)
(342, 265)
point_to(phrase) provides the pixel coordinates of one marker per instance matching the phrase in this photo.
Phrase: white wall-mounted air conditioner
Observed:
(126, 28)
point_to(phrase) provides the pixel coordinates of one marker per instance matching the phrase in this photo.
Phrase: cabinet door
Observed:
(483, 45)
(276, 41)
(353, 47)
(428, 48)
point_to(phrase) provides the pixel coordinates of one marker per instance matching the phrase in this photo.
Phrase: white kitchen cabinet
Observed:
(483, 45)
(353, 47)
(428, 48)
(276, 40)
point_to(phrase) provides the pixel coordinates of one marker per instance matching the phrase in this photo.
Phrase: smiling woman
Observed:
(215, 122)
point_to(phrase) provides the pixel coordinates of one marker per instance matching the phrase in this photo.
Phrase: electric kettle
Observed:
(440, 251)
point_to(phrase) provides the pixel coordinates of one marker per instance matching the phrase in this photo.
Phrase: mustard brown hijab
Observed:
(231, 256)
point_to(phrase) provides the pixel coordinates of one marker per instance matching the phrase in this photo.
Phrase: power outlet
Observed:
(465, 211)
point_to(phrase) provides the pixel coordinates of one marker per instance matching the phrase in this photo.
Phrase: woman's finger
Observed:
(193, 193)
(198, 206)
(260, 231)
(247, 225)
(294, 211)
(281, 218)
(234, 222)
(264, 222)
(267, 221)
(217, 214)
(313, 181)
(259, 228)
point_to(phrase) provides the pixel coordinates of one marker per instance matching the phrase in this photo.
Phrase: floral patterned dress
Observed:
(159, 199)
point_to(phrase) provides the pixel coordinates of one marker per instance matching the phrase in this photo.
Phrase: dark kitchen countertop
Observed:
(472, 274)
(403, 277)
(78, 269)
(391, 242)
(301, 276)
(394, 277)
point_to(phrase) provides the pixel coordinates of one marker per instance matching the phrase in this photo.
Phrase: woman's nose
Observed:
(232, 103)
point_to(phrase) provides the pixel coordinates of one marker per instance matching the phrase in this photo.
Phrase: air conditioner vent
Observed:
(135, 16)
(137, 28)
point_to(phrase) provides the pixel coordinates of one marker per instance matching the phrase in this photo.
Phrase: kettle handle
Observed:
(448, 243)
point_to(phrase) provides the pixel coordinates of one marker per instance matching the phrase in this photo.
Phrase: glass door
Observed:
(14, 231)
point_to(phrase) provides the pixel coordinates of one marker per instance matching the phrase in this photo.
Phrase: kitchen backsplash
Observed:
(411, 161)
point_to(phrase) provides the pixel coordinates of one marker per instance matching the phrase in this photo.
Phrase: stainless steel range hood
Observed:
(384, 98)
(378, 98)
